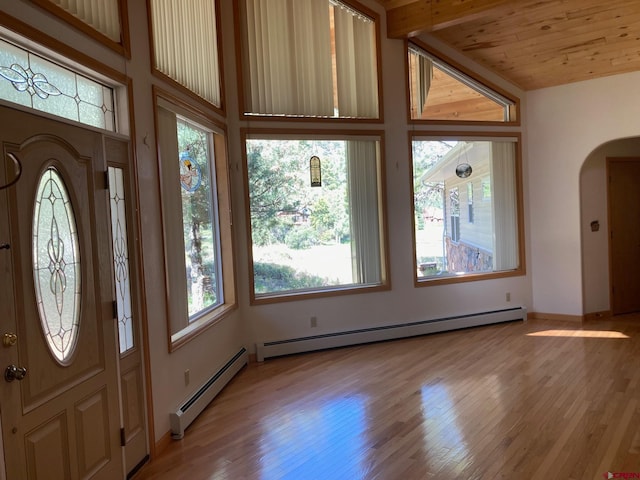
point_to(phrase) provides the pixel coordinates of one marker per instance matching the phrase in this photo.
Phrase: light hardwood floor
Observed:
(535, 400)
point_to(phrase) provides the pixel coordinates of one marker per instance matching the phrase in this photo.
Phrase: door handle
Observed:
(14, 373)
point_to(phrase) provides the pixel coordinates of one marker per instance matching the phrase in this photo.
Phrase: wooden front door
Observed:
(624, 233)
(60, 411)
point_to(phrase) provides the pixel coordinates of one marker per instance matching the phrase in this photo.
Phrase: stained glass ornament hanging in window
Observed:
(190, 173)
(315, 171)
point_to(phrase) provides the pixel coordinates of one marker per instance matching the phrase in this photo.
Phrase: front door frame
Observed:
(136, 269)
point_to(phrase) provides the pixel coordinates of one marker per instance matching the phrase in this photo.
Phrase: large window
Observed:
(316, 213)
(315, 58)
(459, 244)
(440, 91)
(196, 214)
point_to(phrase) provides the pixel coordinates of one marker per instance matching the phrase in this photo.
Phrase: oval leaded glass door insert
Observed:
(56, 265)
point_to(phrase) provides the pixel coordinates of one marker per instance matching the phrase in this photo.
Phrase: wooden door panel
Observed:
(132, 402)
(133, 412)
(47, 450)
(92, 431)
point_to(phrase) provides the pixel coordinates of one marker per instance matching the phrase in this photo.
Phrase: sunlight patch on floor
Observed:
(578, 334)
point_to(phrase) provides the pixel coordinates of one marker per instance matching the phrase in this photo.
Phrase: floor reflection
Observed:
(534, 400)
(303, 440)
(440, 427)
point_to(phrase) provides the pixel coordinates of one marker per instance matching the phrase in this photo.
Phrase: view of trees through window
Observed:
(198, 217)
(302, 234)
(454, 241)
(429, 208)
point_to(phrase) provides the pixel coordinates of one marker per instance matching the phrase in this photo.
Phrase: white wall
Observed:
(564, 125)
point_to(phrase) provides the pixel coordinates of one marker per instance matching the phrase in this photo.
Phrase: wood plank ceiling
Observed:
(532, 43)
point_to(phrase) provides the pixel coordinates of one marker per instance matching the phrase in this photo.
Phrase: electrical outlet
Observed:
(186, 377)
(508, 296)
(314, 322)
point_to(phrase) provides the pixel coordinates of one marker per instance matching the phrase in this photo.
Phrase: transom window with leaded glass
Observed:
(32, 81)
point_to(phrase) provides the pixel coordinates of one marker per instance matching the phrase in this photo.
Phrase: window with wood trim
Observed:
(185, 45)
(196, 217)
(309, 58)
(104, 19)
(458, 244)
(38, 83)
(317, 215)
(441, 92)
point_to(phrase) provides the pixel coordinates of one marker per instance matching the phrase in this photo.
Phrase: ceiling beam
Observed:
(420, 16)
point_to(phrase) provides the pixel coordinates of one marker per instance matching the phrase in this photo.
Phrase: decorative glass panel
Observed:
(56, 265)
(121, 258)
(32, 81)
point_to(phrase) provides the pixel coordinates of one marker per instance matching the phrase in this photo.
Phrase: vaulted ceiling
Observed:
(532, 43)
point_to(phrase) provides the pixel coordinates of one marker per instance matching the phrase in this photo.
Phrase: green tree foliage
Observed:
(270, 277)
(428, 196)
(274, 189)
(287, 211)
(281, 197)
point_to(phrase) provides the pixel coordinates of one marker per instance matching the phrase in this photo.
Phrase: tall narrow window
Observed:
(199, 222)
(120, 246)
(308, 239)
(196, 211)
(185, 45)
(488, 241)
(314, 58)
(440, 91)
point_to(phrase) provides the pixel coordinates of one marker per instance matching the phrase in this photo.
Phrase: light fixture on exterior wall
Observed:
(463, 170)
(315, 171)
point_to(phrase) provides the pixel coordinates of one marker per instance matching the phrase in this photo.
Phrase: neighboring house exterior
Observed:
(470, 209)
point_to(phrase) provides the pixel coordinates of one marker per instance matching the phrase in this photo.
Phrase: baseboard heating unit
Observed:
(191, 408)
(391, 332)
